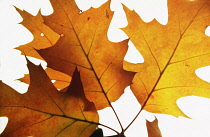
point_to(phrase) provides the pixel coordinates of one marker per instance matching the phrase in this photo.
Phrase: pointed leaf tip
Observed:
(76, 84)
(76, 90)
(17, 9)
(153, 129)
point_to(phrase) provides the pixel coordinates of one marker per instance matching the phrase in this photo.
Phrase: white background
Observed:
(13, 66)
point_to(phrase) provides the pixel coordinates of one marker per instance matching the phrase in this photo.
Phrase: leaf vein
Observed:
(189, 58)
(65, 128)
(151, 53)
(53, 100)
(103, 91)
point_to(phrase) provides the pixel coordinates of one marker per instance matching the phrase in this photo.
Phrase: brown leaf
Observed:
(62, 80)
(153, 129)
(172, 53)
(43, 111)
(84, 43)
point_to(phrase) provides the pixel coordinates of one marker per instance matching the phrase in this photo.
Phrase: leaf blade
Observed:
(46, 111)
(161, 51)
(85, 45)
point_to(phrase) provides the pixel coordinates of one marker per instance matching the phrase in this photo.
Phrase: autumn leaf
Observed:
(43, 36)
(83, 43)
(153, 129)
(43, 111)
(75, 43)
(61, 79)
(172, 53)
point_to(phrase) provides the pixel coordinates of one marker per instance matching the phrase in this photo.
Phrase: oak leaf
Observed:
(83, 43)
(43, 111)
(77, 40)
(172, 53)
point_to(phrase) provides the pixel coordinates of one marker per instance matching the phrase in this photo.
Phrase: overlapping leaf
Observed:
(66, 40)
(70, 39)
(61, 79)
(43, 111)
(83, 42)
(172, 54)
(44, 37)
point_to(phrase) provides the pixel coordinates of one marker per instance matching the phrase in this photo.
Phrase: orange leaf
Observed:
(84, 43)
(172, 53)
(43, 111)
(43, 36)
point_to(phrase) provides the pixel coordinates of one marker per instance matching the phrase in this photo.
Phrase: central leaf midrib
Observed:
(171, 57)
(103, 91)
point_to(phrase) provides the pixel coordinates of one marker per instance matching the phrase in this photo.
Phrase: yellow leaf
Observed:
(172, 53)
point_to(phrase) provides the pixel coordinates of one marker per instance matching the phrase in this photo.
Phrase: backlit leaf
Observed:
(172, 53)
(43, 111)
(43, 36)
(91, 73)
(61, 79)
(84, 43)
